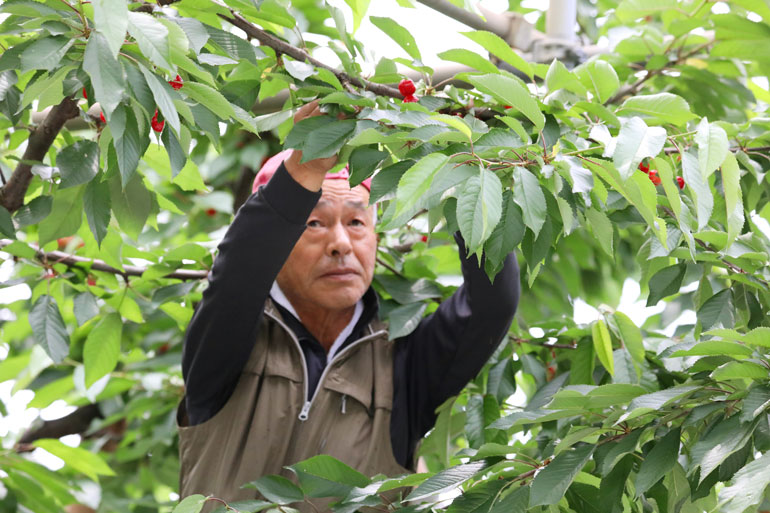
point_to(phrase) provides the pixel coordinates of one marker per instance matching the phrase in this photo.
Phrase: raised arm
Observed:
(222, 331)
(450, 346)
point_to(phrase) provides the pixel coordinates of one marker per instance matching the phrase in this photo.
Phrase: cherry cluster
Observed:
(157, 122)
(406, 87)
(654, 178)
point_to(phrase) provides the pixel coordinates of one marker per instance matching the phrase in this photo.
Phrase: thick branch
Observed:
(76, 422)
(12, 193)
(300, 55)
(59, 257)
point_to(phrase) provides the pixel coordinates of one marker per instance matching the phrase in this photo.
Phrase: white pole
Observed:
(560, 20)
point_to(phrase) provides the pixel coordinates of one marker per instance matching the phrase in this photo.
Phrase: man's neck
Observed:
(324, 325)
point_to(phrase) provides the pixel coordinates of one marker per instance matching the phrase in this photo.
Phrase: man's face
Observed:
(332, 264)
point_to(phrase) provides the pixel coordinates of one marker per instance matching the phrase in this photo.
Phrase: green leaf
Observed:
(277, 489)
(468, 58)
(717, 308)
(78, 163)
(102, 348)
(740, 370)
(6, 223)
(324, 476)
(363, 161)
(107, 76)
(507, 234)
(111, 20)
(712, 146)
(665, 282)
(635, 142)
(479, 208)
(403, 319)
(125, 141)
(399, 34)
(497, 46)
(603, 345)
(161, 92)
(96, 205)
(131, 205)
(559, 77)
(515, 502)
(209, 98)
(79, 459)
(630, 10)
(65, 218)
(510, 91)
(152, 37)
(416, 181)
(551, 483)
(602, 228)
(630, 335)
(85, 307)
(359, 8)
(298, 69)
(190, 504)
(658, 462)
(699, 187)
(446, 480)
(747, 488)
(327, 142)
(48, 328)
(731, 184)
(529, 196)
(45, 53)
(663, 107)
(455, 122)
(600, 78)
(726, 437)
(478, 499)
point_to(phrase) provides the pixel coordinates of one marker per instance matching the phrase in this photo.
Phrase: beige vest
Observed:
(268, 424)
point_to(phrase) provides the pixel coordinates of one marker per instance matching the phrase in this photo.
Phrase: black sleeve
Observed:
(221, 334)
(450, 346)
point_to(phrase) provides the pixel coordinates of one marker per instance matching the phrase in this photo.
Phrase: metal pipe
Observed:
(561, 19)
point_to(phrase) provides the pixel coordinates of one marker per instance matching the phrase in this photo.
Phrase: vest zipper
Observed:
(303, 414)
(344, 403)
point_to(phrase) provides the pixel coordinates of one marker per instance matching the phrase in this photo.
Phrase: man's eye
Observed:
(357, 222)
(315, 223)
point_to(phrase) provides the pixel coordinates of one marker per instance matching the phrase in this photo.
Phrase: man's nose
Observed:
(339, 240)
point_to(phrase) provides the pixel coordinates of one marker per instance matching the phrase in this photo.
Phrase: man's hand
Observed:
(311, 174)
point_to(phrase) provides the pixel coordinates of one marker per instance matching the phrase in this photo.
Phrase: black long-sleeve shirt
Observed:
(431, 364)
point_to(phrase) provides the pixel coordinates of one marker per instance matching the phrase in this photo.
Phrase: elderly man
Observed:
(285, 357)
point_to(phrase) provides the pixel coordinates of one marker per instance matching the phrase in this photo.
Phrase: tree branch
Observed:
(59, 257)
(300, 55)
(76, 422)
(12, 193)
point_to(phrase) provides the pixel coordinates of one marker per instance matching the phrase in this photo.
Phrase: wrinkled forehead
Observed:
(339, 192)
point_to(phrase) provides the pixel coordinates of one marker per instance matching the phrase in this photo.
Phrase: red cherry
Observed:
(211, 212)
(507, 107)
(156, 124)
(91, 281)
(410, 99)
(406, 87)
(85, 94)
(644, 167)
(654, 177)
(424, 238)
(177, 83)
(680, 182)
(101, 117)
(163, 349)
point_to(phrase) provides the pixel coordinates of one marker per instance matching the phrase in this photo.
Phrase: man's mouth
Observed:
(340, 273)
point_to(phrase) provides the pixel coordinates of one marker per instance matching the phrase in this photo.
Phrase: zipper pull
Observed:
(305, 410)
(344, 403)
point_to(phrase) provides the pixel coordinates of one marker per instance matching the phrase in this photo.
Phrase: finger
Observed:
(306, 111)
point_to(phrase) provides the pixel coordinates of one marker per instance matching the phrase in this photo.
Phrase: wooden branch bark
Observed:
(60, 257)
(296, 53)
(75, 423)
(12, 193)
